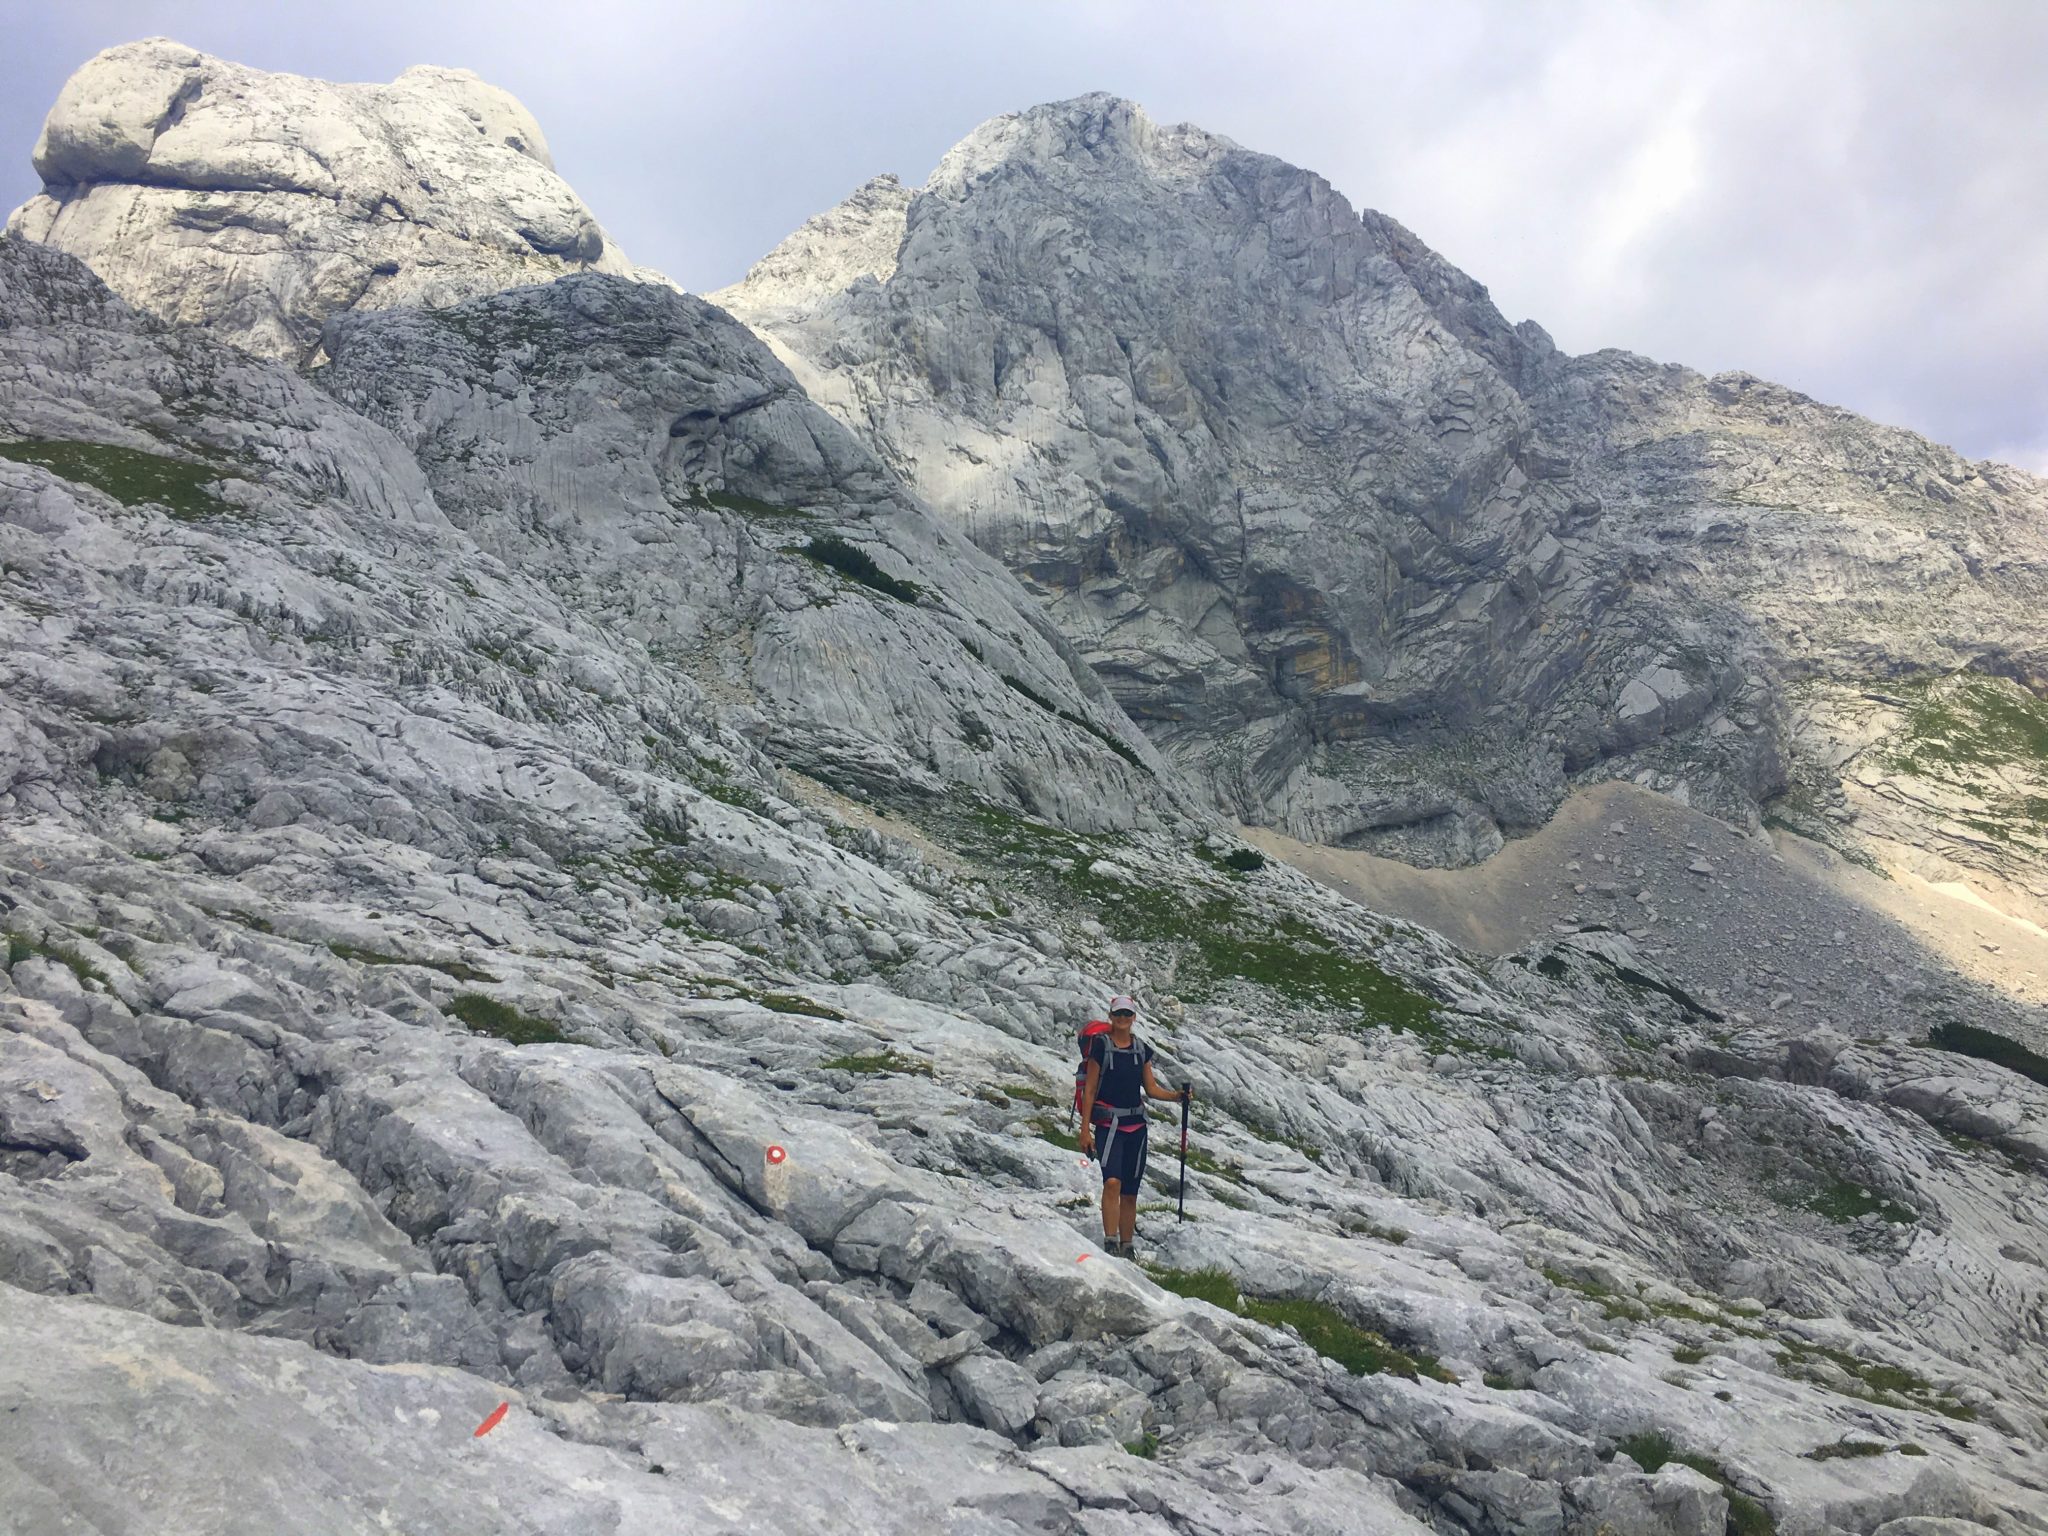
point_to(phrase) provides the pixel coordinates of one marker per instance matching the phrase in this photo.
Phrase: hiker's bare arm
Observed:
(1153, 1090)
(1088, 1092)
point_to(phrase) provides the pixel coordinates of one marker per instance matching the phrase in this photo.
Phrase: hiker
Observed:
(1119, 1078)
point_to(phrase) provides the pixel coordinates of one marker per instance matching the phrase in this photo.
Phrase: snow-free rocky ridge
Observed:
(463, 803)
(1373, 565)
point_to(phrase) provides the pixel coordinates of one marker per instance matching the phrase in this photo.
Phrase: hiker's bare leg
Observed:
(1112, 1194)
(1129, 1213)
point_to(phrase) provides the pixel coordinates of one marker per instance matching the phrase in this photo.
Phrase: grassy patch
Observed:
(1502, 1382)
(851, 561)
(1613, 1305)
(747, 506)
(488, 1016)
(1024, 1093)
(1326, 1330)
(1359, 1227)
(1214, 1286)
(789, 1002)
(1987, 1045)
(21, 947)
(1685, 1354)
(453, 968)
(1651, 1450)
(130, 476)
(1202, 1162)
(1889, 1386)
(1219, 944)
(1148, 1447)
(1842, 1449)
(878, 1064)
(1842, 1202)
(1052, 1131)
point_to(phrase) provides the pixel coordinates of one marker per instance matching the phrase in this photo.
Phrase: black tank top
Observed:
(1123, 1078)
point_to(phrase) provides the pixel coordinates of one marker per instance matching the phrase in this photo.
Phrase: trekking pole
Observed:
(1187, 1097)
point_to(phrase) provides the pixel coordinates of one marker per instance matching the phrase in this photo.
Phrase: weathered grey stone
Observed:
(259, 204)
(1000, 1395)
(1675, 1501)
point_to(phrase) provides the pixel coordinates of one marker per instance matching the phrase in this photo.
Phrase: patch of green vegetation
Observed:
(21, 947)
(1219, 943)
(1203, 1162)
(749, 506)
(132, 477)
(454, 968)
(488, 1016)
(1889, 1386)
(1053, 1132)
(1979, 733)
(789, 1002)
(1018, 685)
(1239, 861)
(1613, 1305)
(1326, 1330)
(1842, 1202)
(1842, 1449)
(851, 561)
(1358, 1227)
(1148, 1447)
(878, 1064)
(1026, 1094)
(1910, 1449)
(1652, 1450)
(1686, 1354)
(1970, 722)
(715, 779)
(1988, 1045)
(1501, 1382)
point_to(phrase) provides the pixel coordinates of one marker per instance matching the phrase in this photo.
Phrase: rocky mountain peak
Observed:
(260, 204)
(1379, 566)
(828, 254)
(1094, 130)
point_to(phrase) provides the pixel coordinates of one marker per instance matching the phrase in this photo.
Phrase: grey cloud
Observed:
(1844, 197)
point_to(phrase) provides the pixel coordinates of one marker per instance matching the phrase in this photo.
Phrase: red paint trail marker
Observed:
(1081, 1259)
(776, 1154)
(497, 1417)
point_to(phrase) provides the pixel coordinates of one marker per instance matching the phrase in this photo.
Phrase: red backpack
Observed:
(1088, 1032)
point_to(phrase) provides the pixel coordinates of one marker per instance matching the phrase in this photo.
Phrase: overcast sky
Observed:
(1850, 198)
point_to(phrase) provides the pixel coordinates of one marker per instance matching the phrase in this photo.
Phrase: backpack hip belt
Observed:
(1117, 1116)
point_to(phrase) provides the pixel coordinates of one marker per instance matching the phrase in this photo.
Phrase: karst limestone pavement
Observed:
(463, 802)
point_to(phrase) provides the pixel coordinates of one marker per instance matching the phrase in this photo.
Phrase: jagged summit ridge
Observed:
(259, 204)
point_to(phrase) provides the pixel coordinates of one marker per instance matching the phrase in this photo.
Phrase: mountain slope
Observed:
(498, 909)
(1380, 568)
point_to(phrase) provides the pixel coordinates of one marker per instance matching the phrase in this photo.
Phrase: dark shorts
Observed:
(1126, 1161)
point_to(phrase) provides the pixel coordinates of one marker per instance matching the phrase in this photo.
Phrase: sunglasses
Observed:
(1125, 1013)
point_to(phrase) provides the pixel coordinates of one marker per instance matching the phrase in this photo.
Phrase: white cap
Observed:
(1119, 1004)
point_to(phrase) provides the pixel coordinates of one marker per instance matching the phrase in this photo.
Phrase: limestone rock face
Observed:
(259, 204)
(533, 871)
(1376, 565)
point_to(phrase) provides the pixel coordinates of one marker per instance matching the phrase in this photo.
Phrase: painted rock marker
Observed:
(497, 1417)
(776, 1154)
